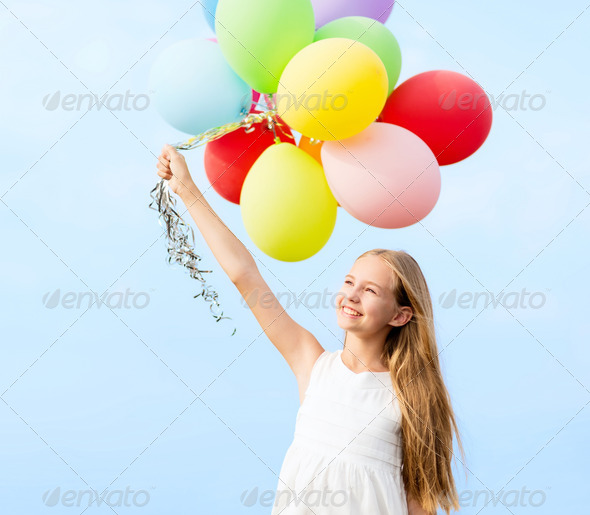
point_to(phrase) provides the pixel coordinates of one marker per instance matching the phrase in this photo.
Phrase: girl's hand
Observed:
(172, 167)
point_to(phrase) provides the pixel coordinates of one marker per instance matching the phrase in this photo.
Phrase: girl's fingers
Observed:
(163, 165)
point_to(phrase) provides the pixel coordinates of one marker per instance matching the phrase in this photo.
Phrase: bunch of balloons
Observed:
(338, 133)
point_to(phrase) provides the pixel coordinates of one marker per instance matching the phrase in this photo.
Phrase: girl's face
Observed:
(368, 290)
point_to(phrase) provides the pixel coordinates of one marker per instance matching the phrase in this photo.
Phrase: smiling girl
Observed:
(374, 431)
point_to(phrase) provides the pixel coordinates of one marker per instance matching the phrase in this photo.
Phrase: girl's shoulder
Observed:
(321, 369)
(324, 359)
(326, 365)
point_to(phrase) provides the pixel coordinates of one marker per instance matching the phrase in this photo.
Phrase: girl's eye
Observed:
(369, 289)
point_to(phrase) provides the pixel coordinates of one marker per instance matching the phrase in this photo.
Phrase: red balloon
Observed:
(448, 110)
(229, 158)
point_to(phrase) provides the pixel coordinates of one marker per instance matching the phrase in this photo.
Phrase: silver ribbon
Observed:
(181, 242)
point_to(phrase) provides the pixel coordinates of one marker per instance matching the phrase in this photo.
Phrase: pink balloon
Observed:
(255, 99)
(369, 170)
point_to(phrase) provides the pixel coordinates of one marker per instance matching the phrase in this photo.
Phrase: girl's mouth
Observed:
(350, 313)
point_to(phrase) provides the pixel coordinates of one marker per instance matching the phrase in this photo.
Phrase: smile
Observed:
(350, 312)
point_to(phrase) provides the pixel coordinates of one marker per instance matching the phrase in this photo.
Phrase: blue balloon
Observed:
(209, 8)
(195, 89)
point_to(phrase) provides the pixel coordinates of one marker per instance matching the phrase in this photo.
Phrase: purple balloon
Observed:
(328, 10)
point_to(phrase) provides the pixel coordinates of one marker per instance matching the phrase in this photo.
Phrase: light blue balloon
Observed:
(195, 89)
(209, 8)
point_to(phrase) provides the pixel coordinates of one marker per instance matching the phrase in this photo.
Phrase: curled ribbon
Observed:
(181, 242)
(180, 236)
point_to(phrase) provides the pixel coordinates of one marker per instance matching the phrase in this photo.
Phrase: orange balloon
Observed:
(313, 149)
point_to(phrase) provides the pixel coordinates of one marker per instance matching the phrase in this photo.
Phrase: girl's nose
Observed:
(353, 295)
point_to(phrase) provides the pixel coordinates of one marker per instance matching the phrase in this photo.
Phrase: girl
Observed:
(374, 432)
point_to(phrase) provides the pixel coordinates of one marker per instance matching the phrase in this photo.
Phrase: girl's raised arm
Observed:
(297, 345)
(229, 251)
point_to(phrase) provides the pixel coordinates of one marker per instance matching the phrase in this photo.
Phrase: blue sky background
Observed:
(103, 397)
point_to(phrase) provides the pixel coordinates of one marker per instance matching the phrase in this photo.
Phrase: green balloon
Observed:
(259, 37)
(371, 33)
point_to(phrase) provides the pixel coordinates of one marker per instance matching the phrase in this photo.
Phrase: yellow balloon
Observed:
(332, 89)
(287, 207)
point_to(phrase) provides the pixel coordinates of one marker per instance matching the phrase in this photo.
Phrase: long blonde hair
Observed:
(428, 421)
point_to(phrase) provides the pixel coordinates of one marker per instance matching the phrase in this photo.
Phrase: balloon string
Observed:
(181, 240)
(247, 123)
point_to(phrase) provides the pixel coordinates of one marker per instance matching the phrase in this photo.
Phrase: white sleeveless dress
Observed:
(345, 458)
